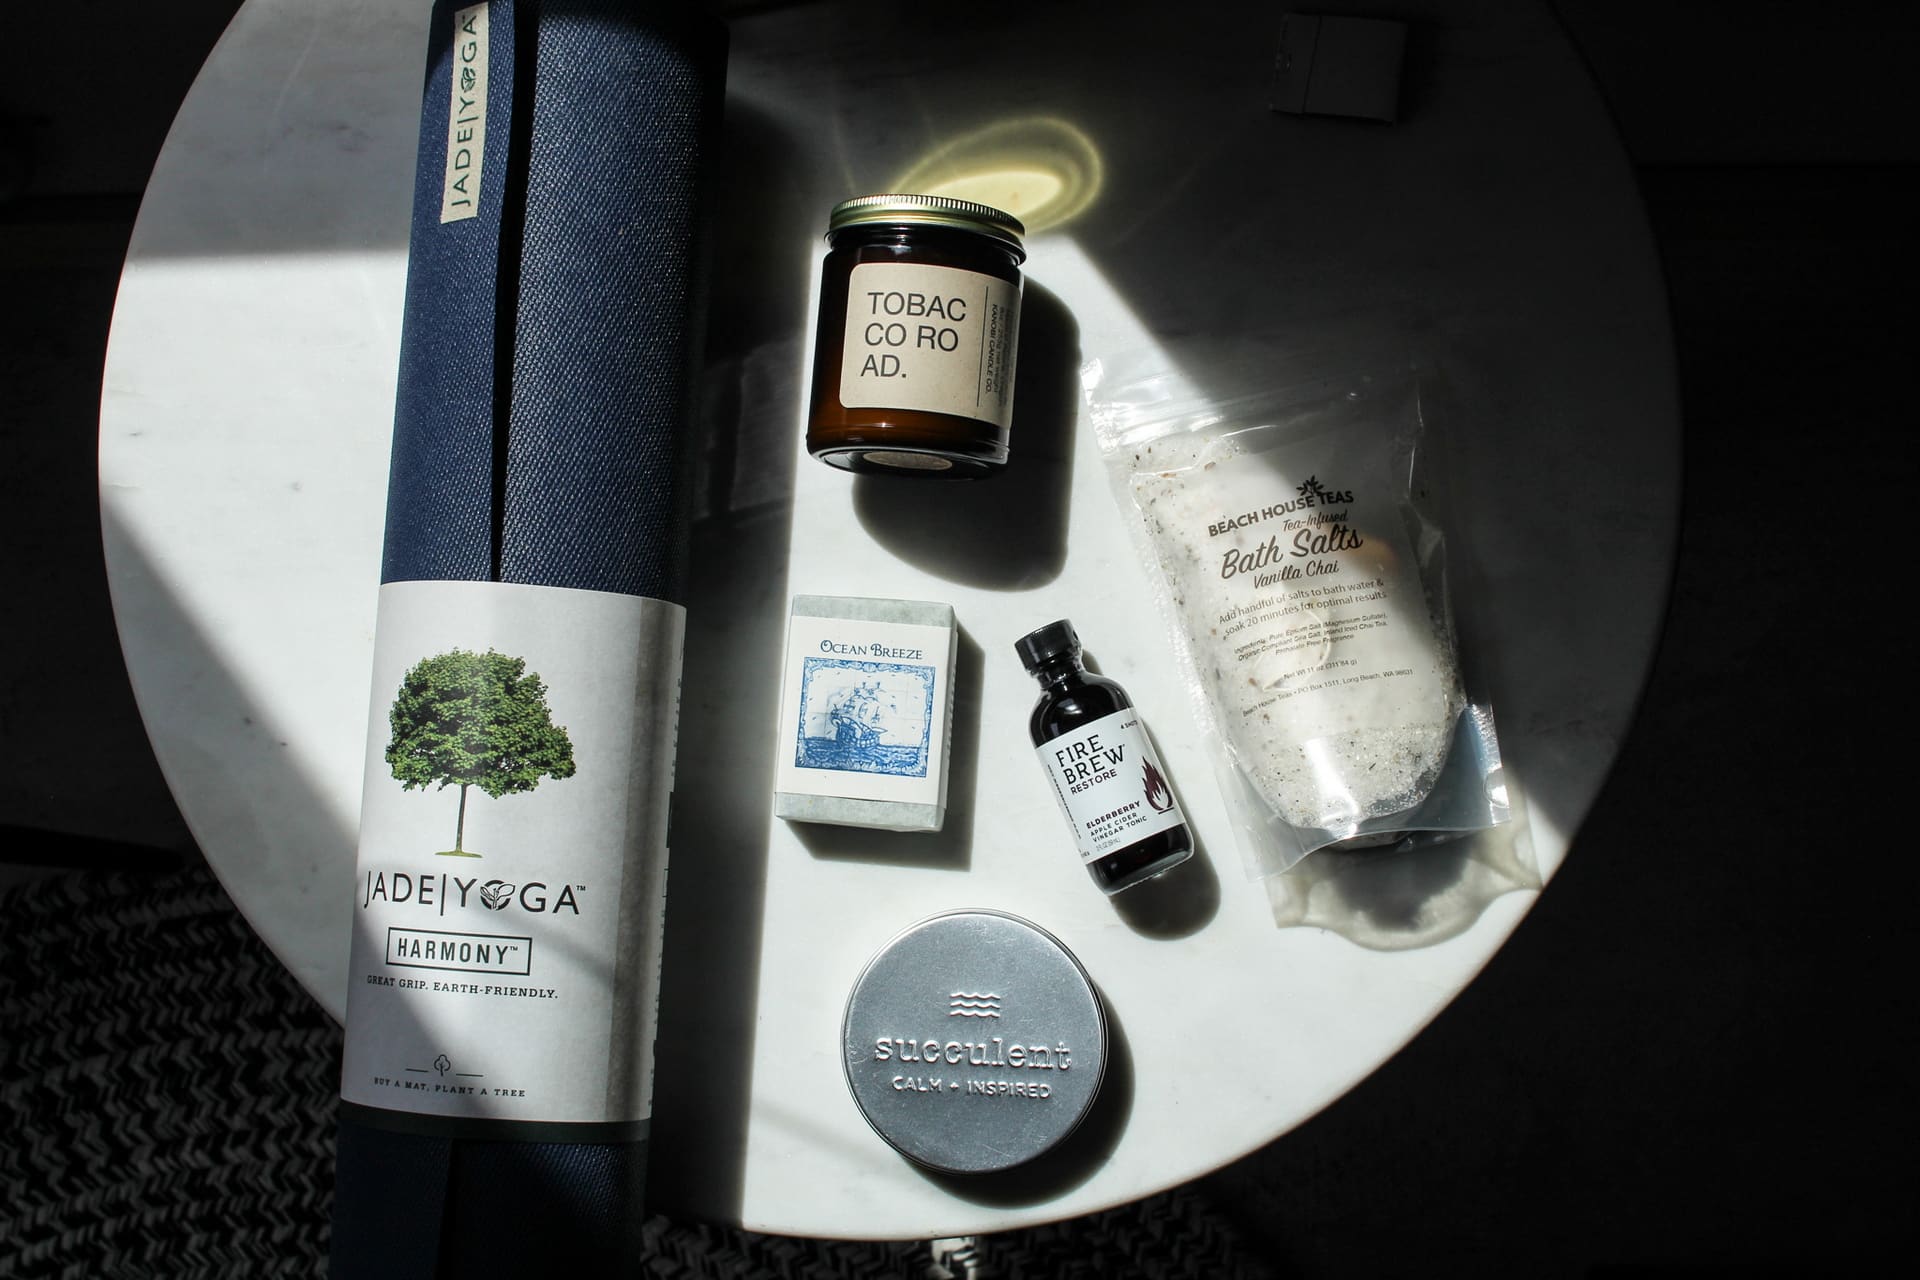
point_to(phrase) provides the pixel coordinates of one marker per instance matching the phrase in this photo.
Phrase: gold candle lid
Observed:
(932, 211)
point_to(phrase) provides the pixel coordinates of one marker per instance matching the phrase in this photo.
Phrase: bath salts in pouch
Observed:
(1306, 587)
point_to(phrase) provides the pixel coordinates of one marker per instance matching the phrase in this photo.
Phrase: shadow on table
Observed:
(1181, 902)
(1007, 532)
(1176, 905)
(723, 806)
(221, 742)
(1078, 1157)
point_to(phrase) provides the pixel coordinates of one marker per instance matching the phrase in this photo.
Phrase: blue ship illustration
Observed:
(865, 717)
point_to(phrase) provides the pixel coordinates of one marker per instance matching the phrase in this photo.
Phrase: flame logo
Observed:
(1159, 795)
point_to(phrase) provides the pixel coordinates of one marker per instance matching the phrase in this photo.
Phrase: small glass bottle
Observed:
(918, 332)
(1089, 739)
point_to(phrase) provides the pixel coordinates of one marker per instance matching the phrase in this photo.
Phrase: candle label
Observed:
(936, 339)
(511, 876)
(1110, 785)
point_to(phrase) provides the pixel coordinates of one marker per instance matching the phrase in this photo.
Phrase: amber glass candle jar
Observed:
(919, 326)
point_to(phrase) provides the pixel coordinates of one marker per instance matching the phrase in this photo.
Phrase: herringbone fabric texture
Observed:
(167, 1100)
(166, 1090)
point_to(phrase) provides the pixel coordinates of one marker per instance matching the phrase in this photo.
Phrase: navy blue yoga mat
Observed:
(547, 352)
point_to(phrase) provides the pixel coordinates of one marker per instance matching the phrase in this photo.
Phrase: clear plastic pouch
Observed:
(1304, 580)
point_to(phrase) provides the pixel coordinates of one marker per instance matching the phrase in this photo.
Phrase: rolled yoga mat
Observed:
(498, 1062)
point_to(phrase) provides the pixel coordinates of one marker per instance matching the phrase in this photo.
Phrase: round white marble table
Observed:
(244, 429)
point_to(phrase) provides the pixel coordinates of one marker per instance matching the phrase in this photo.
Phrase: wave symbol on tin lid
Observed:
(973, 1004)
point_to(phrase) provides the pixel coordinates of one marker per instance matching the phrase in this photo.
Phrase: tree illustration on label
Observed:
(475, 720)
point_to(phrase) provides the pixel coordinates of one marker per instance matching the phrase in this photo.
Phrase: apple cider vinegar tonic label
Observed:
(1110, 786)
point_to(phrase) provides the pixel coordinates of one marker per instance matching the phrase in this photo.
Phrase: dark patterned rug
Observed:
(167, 1107)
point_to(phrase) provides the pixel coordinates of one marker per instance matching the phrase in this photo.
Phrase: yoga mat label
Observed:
(936, 339)
(467, 116)
(511, 876)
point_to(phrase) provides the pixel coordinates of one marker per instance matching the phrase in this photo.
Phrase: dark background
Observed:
(1687, 1057)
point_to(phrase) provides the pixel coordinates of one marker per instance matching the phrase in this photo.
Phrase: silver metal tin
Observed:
(974, 1042)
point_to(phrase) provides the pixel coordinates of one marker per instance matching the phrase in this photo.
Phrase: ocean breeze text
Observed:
(869, 650)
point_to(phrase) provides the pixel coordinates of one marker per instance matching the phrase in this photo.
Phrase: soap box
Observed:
(866, 713)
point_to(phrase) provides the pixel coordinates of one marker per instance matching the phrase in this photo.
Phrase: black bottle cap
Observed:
(1043, 644)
